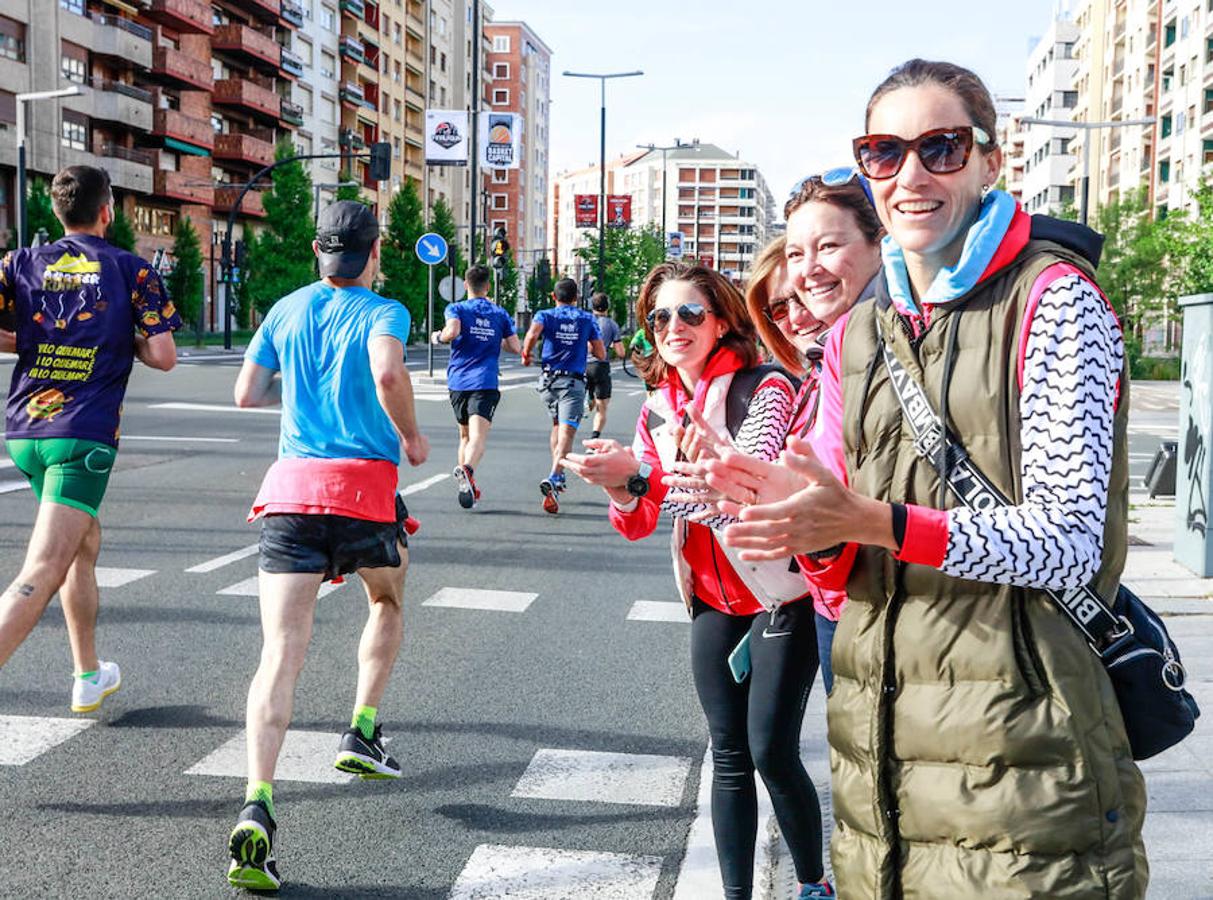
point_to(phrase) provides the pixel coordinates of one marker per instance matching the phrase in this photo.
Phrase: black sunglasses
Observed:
(777, 309)
(691, 313)
(940, 150)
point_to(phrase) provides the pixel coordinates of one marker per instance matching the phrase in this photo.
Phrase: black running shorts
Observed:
(327, 544)
(598, 380)
(474, 403)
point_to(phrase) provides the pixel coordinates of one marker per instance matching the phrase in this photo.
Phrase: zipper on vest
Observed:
(1023, 640)
(885, 795)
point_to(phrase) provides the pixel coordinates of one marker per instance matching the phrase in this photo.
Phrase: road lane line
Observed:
(545, 873)
(24, 738)
(637, 779)
(110, 577)
(220, 561)
(7, 487)
(179, 439)
(658, 611)
(420, 486)
(471, 598)
(216, 407)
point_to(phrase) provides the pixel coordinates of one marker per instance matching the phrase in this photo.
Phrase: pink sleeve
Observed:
(826, 436)
(641, 521)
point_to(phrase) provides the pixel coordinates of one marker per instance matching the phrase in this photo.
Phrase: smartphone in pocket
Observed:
(739, 659)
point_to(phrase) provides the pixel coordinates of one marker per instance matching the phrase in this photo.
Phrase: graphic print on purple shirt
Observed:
(76, 305)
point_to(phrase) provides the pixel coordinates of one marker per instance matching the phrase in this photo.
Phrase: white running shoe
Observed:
(87, 696)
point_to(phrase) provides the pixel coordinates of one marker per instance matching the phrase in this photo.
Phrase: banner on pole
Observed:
(500, 139)
(586, 206)
(673, 244)
(619, 210)
(446, 137)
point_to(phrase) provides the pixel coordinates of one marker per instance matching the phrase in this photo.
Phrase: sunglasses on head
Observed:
(691, 313)
(835, 177)
(940, 150)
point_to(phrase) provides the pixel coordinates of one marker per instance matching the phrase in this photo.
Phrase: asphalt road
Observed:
(497, 716)
(476, 694)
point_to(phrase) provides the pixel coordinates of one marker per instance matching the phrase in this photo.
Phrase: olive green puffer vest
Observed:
(976, 745)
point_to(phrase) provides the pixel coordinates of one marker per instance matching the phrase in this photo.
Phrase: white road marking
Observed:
(472, 598)
(23, 738)
(640, 779)
(543, 873)
(420, 486)
(658, 611)
(7, 464)
(220, 561)
(635, 393)
(305, 756)
(248, 588)
(217, 407)
(108, 577)
(179, 439)
(7, 487)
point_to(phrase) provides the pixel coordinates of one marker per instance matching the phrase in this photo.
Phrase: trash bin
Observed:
(1194, 484)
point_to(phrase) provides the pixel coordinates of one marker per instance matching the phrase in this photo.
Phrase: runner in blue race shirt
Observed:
(569, 334)
(78, 312)
(476, 329)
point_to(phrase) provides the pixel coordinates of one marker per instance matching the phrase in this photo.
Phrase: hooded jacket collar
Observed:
(723, 361)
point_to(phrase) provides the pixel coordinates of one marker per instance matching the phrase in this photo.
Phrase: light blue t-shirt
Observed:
(483, 325)
(565, 332)
(317, 337)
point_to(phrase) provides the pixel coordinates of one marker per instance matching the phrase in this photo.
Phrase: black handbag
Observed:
(1129, 638)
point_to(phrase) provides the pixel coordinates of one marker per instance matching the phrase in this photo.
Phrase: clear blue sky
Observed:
(783, 81)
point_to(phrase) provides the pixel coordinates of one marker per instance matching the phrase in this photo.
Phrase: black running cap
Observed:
(346, 232)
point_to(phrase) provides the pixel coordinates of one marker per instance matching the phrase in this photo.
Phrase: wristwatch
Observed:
(638, 484)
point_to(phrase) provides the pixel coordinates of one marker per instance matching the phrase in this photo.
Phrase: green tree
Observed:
(442, 221)
(539, 285)
(121, 232)
(350, 190)
(507, 285)
(404, 275)
(630, 254)
(185, 282)
(280, 259)
(39, 213)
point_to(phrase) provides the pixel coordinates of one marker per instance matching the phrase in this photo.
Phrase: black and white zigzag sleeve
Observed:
(1071, 369)
(761, 435)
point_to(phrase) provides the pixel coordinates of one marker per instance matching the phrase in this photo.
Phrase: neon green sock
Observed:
(89, 676)
(263, 791)
(364, 720)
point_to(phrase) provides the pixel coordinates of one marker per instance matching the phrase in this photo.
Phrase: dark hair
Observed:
(565, 290)
(725, 300)
(849, 196)
(478, 278)
(960, 81)
(79, 193)
(601, 302)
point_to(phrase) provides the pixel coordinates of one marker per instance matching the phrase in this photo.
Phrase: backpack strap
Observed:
(741, 392)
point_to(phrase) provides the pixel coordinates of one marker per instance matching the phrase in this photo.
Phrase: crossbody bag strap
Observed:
(1102, 628)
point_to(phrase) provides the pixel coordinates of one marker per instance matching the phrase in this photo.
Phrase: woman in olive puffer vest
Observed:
(977, 749)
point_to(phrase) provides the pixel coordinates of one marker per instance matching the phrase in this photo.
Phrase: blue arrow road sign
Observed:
(431, 248)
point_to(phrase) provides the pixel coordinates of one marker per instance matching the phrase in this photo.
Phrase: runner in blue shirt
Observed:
(569, 335)
(477, 329)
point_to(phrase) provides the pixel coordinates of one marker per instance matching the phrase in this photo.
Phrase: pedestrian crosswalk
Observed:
(544, 873)
(25, 738)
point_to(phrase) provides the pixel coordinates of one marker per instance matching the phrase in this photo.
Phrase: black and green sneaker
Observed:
(252, 850)
(365, 758)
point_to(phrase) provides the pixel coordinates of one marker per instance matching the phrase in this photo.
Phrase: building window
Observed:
(305, 51)
(75, 130)
(395, 148)
(501, 70)
(396, 110)
(328, 64)
(328, 110)
(75, 6)
(501, 176)
(74, 63)
(1164, 171)
(328, 18)
(153, 221)
(501, 96)
(303, 96)
(501, 43)
(396, 34)
(501, 201)
(12, 39)
(1069, 99)
(442, 62)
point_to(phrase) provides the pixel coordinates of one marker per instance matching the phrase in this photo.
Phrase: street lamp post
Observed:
(664, 197)
(1088, 127)
(602, 80)
(22, 99)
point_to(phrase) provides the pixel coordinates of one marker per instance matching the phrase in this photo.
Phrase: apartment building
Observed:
(1046, 182)
(1184, 130)
(565, 236)
(520, 64)
(402, 66)
(317, 44)
(1009, 135)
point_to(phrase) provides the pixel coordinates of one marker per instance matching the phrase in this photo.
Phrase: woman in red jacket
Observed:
(753, 646)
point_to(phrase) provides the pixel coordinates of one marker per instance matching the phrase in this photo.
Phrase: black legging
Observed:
(756, 724)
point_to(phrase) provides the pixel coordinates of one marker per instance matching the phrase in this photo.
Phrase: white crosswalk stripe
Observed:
(305, 756)
(220, 561)
(641, 779)
(25, 738)
(658, 611)
(471, 598)
(109, 577)
(544, 873)
(248, 588)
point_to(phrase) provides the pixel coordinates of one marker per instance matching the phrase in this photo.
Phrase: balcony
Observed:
(292, 13)
(120, 39)
(352, 94)
(291, 113)
(128, 169)
(122, 103)
(225, 198)
(177, 125)
(256, 149)
(351, 48)
(266, 10)
(191, 16)
(292, 63)
(243, 93)
(355, 8)
(248, 41)
(351, 139)
(182, 186)
(182, 67)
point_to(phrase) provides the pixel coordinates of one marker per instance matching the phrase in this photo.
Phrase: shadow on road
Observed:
(480, 817)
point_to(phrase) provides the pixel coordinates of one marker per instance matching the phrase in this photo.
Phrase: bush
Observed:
(1155, 368)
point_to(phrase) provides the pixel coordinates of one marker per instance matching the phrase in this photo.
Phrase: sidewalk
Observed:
(1179, 783)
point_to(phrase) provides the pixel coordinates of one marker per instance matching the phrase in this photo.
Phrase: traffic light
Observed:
(381, 161)
(500, 247)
